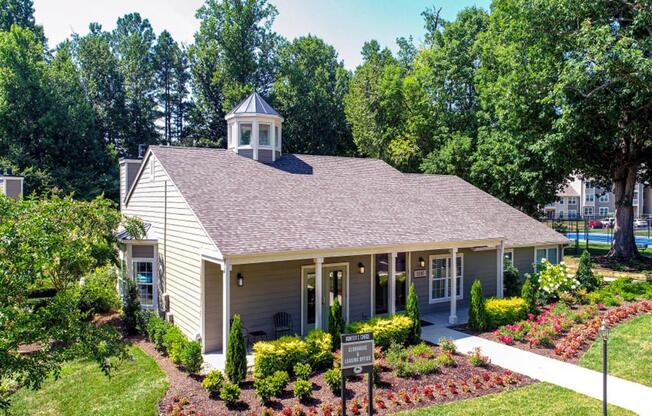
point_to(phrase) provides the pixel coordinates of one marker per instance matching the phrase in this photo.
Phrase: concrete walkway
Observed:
(623, 393)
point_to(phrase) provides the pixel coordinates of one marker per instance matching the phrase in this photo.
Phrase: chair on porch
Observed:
(282, 324)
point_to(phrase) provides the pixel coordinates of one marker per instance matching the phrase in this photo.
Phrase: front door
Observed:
(334, 287)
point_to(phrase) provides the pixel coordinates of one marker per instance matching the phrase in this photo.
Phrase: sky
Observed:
(345, 24)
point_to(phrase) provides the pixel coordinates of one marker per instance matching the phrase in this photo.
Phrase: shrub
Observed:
(394, 329)
(412, 361)
(412, 312)
(131, 312)
(213, 381)
(447, 345)
(173, 343)
(156, 329)
(477, 309)
(335, 323)
(230, 393)
(476, 358)
(529, 295)
(584, 274)
(333, 378)
(505, 311)
(98, 293)
(191, 358)
(511, 278)
(554, 279)
(319, 344)
(236, 353)
(279, 355)
(302, 371)
(614, 292)
(271, 386)
(302, 389)
(446, 358)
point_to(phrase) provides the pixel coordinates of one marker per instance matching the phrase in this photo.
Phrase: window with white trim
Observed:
(144, 277)
(245, 134)
(509, 256)
(548, 253)
(440, 277)
(603, 211)
(588, 211)
(572, 200)
(263, 134)
(604, 197)
(572, 213)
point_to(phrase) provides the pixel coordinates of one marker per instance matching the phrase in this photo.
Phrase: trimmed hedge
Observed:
(387, 331)
(505, 311)
(169, 339)
(282, 354)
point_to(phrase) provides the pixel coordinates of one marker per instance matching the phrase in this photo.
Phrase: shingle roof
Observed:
(253, 104)
(568, 191)
(303, 202)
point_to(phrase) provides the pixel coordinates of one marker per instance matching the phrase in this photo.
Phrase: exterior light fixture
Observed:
(240, 280)
(360, 268)
(604, 334)
(422, 262)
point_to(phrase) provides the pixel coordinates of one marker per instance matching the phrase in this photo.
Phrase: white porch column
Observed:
(318, 292)
(391, 260)
(226, 303)
(452, 319)
(500, 269)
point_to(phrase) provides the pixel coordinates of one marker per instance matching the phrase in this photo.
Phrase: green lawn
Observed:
(630, 351)
(134, 388)
(537, 399)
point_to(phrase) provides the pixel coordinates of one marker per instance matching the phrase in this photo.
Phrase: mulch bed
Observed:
(640, 264)
(187, 397)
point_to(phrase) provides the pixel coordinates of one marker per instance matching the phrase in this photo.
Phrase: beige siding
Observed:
(180, 254)
(213, 306)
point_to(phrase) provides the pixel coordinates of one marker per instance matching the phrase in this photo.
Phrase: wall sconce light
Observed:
(240, 280)
(422, 262)
(360, 268)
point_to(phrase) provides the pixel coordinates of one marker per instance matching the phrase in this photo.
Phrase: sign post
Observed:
(357, 358)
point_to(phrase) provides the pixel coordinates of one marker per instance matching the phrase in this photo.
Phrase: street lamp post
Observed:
(604, 334)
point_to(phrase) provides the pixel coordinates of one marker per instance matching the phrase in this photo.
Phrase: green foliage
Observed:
(173, 343)
(511, 278)
(278, 355)
(446, 359)
(554, 280)
(333, 378)
(191, 356)
(622, 289)
(271, 386)
(169, 339)
(412, 311)
(98, 293)
(156, 329)
(230, 393)
(319, 349)
(302, 371)
(336, 323)
(447, 345)
(529, 295)
(131, 312)
(478, 320)
(236, 354)
(476, 358)
(505, 311)
(52, 242)
(135, 227)
(213, 381)
(412, 361)
(387, 331)
(302, 389)
(584, 274)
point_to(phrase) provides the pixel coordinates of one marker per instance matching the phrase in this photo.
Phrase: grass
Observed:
(536, 399)
(630, 351)
(637, 270)
(134, 388)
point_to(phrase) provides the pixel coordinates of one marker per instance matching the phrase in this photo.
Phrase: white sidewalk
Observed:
(623, 393)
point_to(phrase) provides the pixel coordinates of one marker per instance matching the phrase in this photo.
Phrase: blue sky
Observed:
(345, 24)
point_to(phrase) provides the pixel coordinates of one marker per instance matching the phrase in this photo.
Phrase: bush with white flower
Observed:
(555, 279)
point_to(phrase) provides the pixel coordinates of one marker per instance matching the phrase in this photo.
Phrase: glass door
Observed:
(308, 303)
(334, 287)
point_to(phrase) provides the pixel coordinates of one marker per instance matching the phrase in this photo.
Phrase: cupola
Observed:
(254, 129)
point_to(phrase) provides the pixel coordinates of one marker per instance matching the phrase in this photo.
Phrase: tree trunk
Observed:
(624, 245)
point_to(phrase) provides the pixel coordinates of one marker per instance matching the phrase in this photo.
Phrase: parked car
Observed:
(640, 223)
(608, 222)
(595, 224)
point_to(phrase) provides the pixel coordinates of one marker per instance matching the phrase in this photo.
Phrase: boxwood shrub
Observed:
(387, 331)
(505, 311)
(169, 339)
(282, 354)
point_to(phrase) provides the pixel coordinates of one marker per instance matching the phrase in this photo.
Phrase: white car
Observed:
(608, 222)
(640, 223)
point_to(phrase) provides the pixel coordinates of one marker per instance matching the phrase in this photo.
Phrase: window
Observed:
(263, 134)
(561, 214)
(604, 197)
(603, 211)
(548, 253)
(245, 134)
(401, 281)
(144, 277)
(277, 137)
(590, 195)
(440, 276)
(588, 211)
(635, 195)
(381, 284)
(561, 201)
(572, 200)
(572, 213)
(509, 256)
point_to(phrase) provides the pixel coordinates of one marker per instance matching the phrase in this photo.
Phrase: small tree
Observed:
(528, 293)
(413, 313)
(585, 275)
(131, 313)
(236, 354)
(511, 278)
(335, 323)
(477, 311)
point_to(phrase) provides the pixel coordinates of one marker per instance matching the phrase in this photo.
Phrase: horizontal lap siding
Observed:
(185, 241)
(523, 259)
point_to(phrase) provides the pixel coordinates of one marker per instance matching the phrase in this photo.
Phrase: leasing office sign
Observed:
(357, 353)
